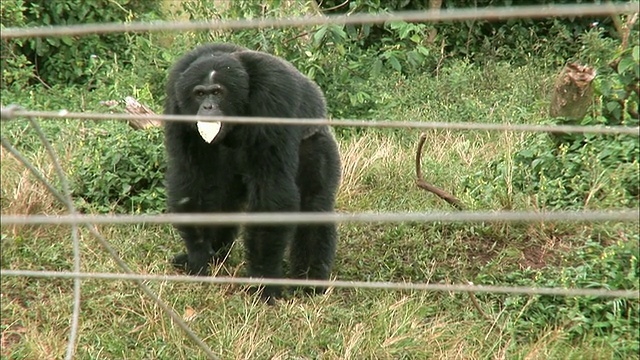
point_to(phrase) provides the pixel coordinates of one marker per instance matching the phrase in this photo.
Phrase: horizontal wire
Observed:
(443, 15)
(459, 14)
(9, 113)
(320, 218)
(521, 290)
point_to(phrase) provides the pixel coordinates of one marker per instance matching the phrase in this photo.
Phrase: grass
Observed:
(118, 321)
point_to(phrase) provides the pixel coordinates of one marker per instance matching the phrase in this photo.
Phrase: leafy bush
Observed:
(333, 55)
(599, 171)
(16, 68)
(519, 41)
(68, 60)
(346, 60)
(120, 170)
(619, 89)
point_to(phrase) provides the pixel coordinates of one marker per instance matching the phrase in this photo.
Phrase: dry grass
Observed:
(21, 192)
(363, 155)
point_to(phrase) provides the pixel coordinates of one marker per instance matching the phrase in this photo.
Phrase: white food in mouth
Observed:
(209, 130)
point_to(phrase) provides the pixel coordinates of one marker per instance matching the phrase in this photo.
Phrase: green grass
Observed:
(118, 321)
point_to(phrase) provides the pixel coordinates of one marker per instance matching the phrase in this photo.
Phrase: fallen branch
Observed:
(132, 106)
(476, 305)
(421, 183)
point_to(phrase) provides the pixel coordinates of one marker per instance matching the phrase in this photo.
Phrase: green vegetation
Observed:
(115, 169)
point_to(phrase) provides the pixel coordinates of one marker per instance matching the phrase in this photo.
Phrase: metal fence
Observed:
(76, 220)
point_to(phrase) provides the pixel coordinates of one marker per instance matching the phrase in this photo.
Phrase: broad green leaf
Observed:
(415, 57)
(377, 68)
(423, 50)
(319, 35)
(395, 64)
(625, 64)
(337, 32)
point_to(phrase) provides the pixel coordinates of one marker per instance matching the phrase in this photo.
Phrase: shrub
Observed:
(120, 171)
(16, 68)
(599, 171)
(68, 60)
(518, 41)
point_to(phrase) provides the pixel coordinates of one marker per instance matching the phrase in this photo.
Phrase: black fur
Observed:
(255, 168)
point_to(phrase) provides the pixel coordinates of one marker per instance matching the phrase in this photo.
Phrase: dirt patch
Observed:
(10, 337)
(482, 252)
(536, 258)
(534, 254)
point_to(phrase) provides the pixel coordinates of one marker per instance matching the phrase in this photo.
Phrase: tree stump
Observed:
(572, 92)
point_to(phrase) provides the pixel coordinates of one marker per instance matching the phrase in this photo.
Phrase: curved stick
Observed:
(421, 183)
